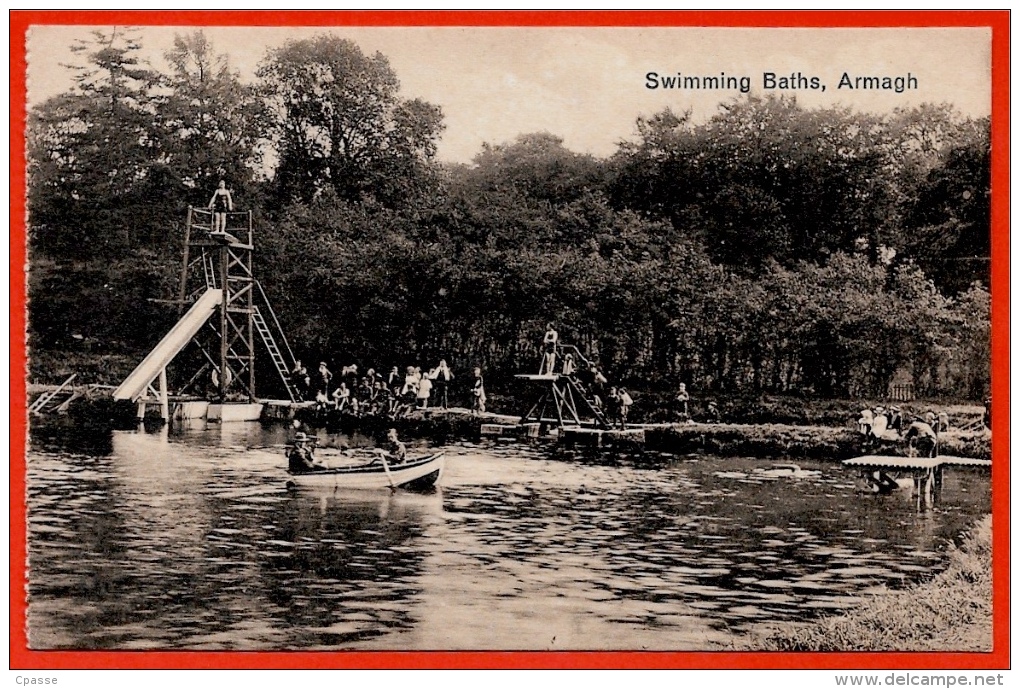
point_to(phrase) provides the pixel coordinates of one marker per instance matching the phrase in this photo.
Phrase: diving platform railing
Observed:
(49, 401)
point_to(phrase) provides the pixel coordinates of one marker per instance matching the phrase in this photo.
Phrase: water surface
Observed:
(192, 541)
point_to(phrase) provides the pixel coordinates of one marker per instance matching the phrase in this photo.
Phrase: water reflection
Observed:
(192, 540)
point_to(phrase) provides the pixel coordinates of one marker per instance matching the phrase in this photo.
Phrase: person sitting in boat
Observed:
(922, 440)
(301, 457)
(394, 451)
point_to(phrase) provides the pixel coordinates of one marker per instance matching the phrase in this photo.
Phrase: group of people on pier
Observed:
(374, 394)
(920, 433)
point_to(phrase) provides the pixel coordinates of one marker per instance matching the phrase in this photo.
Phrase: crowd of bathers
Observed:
(375, 394)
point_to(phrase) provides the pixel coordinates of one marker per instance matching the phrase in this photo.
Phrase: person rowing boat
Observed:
(393, 451)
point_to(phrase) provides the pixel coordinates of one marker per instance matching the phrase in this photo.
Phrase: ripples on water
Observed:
(193, 541)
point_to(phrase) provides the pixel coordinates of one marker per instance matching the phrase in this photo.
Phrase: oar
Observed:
(386, 468)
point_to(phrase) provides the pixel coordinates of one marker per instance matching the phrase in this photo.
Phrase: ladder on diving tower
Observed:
(283, 364)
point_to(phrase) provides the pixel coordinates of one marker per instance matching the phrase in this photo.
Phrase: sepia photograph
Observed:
(509, 335)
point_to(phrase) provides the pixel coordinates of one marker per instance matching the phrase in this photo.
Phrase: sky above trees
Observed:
(587, 85)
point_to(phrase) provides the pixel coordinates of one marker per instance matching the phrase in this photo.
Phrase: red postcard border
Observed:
(998, 21)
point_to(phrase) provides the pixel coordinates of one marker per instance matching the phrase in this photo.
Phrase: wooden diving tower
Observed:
(565, 396)
(221, 307)
(223, 261)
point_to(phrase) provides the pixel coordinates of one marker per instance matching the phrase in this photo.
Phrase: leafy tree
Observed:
(211, 124)
(764, 178)
(90, 150)
(339, 123)
(948, 218)
(537, 166)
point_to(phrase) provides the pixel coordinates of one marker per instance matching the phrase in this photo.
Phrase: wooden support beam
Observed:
(164, 397)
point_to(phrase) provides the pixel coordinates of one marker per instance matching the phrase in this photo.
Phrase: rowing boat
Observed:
(414, 474)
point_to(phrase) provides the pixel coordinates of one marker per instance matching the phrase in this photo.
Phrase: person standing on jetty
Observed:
(478, 393)
(301, 458)
(325, 378)
(625, 404)
(441, 376)
(682, 400)
(424, 391)
(220, 203)
(922, 440)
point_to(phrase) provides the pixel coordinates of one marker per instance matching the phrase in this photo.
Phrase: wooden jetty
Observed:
(600, 437)
(926, 472)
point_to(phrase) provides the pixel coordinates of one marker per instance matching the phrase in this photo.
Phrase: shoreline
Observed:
(767, 440)
(764, 440)
(951, 612)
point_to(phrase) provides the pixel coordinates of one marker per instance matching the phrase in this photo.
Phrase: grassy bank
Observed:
(787, 441)
(951, 612)
(794, 410)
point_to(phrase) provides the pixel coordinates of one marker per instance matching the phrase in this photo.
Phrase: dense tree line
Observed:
(769, 248)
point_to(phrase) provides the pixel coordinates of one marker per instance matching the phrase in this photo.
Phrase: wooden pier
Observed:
(926, 472)
(600, 437)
